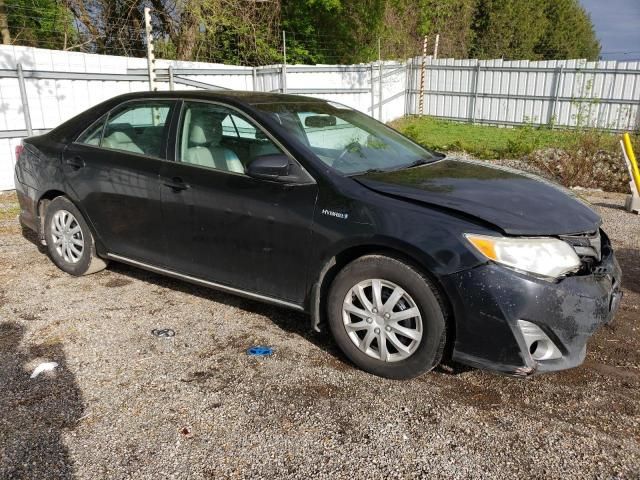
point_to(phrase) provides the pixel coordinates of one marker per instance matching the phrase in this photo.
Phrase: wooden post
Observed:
(422, 75)
(151, 59)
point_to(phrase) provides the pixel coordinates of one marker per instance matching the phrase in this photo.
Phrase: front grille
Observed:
(588, 247)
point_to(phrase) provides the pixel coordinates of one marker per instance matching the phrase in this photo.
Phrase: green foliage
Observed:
(318, 31)
(40, 23)
(509, 28)
(533, 30)
(406, 22)
(569, 32)
(332, 31)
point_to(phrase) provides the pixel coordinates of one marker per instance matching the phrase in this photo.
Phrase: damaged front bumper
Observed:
(517, 324)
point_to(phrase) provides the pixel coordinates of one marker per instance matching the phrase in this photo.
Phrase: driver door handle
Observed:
(176, 184)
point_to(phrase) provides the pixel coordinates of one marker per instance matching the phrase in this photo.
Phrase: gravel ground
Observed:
(125, 404)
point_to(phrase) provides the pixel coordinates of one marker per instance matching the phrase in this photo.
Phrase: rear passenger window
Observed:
(135, 128)
(92, 135)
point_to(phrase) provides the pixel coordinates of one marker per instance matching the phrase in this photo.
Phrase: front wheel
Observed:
(388, 318)
(69, 240)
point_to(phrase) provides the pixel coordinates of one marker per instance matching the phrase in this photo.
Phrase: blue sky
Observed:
(617, 25)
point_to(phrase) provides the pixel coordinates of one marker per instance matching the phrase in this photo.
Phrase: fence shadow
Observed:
(34, 413)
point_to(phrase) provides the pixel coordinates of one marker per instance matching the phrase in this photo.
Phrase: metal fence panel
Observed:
(568, 93)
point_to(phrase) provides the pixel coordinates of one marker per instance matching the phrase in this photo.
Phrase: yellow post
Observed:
(632, 158)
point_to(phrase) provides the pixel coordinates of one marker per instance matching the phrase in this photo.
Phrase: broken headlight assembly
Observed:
(547, 258)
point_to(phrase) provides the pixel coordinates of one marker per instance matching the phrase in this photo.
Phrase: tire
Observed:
(422, 338)
(81, 259)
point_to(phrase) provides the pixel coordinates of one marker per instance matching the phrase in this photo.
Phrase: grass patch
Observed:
(487, 142)
(586, 157)
(9, 212)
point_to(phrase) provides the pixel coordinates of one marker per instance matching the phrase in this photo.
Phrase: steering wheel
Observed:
(340, 159)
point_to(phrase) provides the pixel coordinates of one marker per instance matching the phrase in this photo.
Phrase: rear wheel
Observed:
(69, 240)
(387, 317)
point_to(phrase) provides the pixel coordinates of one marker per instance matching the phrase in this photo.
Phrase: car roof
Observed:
(237, 96)
(75, 125)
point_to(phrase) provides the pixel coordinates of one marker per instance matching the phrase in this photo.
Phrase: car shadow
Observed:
(290, 321)
(34, 413)
(32, 237)
(613, 206)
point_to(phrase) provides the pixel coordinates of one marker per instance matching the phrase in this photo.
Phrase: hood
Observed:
(515, 202)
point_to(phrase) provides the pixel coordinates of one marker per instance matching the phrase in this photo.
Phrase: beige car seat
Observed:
(121, 141)
(205, 135)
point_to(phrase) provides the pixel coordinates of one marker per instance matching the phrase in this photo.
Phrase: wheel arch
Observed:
(41, 208)
(345, 256)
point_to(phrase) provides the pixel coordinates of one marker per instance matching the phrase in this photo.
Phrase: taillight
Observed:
(19, 149)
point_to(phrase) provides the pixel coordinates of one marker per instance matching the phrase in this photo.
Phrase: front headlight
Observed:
(546, 257)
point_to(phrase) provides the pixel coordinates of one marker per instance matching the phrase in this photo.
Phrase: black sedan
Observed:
(407, 255)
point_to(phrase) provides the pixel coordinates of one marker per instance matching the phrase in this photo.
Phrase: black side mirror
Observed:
(269, 166)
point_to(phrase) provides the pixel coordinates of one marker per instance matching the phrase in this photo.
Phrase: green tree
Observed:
(508, 29)
(569, 32)
(318, 31)
(407, 22)
(533, 30)
(332, 31)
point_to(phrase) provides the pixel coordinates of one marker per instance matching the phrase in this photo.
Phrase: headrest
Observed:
(205, 128)
(119, 137)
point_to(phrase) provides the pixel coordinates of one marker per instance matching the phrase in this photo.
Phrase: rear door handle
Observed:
(176, 184)
(75, 162)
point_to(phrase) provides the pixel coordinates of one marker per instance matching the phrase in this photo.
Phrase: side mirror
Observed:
(269, 167)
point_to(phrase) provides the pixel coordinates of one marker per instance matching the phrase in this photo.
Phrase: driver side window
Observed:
(217, 137)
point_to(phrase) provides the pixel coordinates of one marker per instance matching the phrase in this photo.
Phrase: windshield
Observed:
(346, 139)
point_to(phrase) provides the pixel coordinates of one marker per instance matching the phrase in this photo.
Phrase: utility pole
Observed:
(151, 59)
(435, 49)
(284, 59)
(4, 24)
(422, 74)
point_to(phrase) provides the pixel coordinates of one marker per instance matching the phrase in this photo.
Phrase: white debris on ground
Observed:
(44, 367)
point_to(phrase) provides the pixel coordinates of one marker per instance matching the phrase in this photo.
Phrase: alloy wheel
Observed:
(67, 237)
(382, 320)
